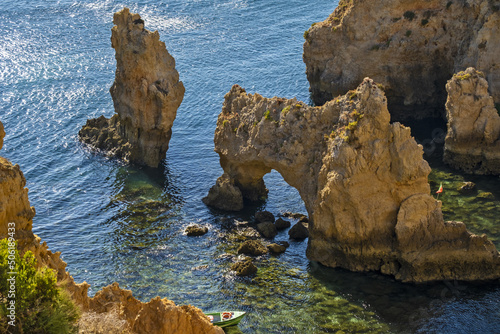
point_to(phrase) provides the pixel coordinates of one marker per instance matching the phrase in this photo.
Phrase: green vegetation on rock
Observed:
(40, 305)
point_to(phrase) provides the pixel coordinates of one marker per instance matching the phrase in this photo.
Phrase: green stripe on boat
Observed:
(225, 319)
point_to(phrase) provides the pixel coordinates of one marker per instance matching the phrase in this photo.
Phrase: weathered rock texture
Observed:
(363, 181)
(146, 94)
(156, 316)
(412, 47)
(472, 143)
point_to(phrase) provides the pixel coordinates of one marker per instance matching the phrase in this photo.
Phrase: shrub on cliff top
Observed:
(40, 305)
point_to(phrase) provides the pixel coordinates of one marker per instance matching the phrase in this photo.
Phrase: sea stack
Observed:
(146, 94)
(472, 143)
(411, 47)
(363, 181)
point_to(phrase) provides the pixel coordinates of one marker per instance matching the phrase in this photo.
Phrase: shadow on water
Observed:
(478, 208)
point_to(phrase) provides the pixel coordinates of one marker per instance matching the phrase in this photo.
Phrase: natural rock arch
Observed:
(363, 181)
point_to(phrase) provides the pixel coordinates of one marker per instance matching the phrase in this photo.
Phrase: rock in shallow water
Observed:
(252, 247)
(282, 224)
(244, 267)
(355, 171)
(264, 216)
(196, 230)
(276, 249)
(267, 229)
(299, 231)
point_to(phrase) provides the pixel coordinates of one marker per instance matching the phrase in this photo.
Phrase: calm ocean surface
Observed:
(114, 222)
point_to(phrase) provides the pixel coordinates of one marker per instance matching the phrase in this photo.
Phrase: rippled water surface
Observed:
(114, 222)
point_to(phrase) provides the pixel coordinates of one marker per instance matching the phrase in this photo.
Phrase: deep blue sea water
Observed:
(114, 222)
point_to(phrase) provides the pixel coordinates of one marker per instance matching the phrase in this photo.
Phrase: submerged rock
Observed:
(267, 229)
(264, 216)
(244, 267)
(356, 172)
(485, 196)
(467, 188)
(472, 143)
(252, 247)
(196, 230)
(411, 47)
(146, 94)
(276, 248)
(299, 231)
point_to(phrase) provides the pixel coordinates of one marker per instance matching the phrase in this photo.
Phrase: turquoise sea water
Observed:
(114, 222)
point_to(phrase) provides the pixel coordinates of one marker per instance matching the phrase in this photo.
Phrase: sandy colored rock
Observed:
(472, 142)
(224, 195)
(354, 170)
(411, 47)
(146, 94)
(264, 216)
(267, 229)
(282, 224)
(252, 247)
(112, 302)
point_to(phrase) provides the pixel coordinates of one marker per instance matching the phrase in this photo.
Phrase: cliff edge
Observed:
(412, 47)
(363, 181)
(146, 94)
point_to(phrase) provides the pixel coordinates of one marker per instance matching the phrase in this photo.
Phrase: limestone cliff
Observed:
(146, 94)
(156, 316)
(473, 139)
(363, 181)
(412, 47)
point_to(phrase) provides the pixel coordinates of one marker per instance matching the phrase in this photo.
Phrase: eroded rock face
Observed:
(146, 94)
(157, 316)
(355, 172)
(472, 143)
(412, 47)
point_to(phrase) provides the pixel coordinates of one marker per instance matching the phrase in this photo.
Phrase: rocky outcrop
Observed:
(146, 94)
(363, 181)
(412, 47)
(157, 316)
(472, 143)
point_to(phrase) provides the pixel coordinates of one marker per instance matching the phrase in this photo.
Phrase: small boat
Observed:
(225, 319)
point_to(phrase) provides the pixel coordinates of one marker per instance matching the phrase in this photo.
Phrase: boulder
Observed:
(298, 232)
(264, 216)
(224, 195)
(267, 229)
(252, 247)
(282, 224)
(146, 94)
(196, 230)
(276, 248)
